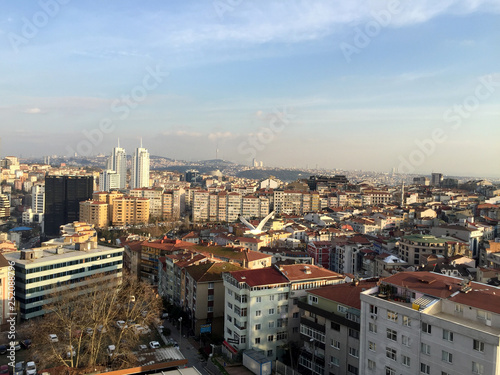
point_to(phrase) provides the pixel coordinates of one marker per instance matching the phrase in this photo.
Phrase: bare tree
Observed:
(85, 319)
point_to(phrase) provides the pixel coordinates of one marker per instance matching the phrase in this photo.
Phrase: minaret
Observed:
(402, 193)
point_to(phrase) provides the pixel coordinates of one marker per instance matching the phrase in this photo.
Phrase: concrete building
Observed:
(261, 306)
(155, 196)
(4, 293)
(330, 328)
(140, 168)
(4, 206)
(38, 199)
(413, 247)
(94, 212)
(118, 163)
(428, 323)
(109, 180)
(130, 211)
(60, 265)
(205, 296)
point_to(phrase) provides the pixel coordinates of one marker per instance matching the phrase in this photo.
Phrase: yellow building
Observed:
(94, 212)
(130, 210)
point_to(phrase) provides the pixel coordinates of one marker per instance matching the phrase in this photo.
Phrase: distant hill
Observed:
(285, 175)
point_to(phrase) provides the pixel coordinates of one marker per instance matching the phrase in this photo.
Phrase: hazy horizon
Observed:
(389, 84)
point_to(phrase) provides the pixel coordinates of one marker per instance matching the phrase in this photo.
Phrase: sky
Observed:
(370, 85)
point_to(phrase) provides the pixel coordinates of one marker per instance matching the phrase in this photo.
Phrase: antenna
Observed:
(118, 142)
(141, 142)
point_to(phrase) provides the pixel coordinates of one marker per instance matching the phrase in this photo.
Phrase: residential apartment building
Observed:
(261, 306)
(117, 162)
(428, 323)
(330, 328)
(38, 198)
(94, 212)
(414, 247)
(4, 206)
(205, 296)
(140, 168)
(227, 207)
(4, 293)
(130, 211)
(60, 265)
(155, 196)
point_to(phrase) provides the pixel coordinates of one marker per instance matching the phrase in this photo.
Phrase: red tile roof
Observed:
(262, 276)
(346, 294)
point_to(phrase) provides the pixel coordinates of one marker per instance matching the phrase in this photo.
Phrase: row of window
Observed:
(477, 368)
(72, 272)
(67, 264)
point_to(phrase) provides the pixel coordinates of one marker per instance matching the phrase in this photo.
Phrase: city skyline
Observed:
(374, 87)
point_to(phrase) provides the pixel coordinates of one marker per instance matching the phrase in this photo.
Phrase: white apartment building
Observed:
(118, 163)
(428, 323)
(38, 199)
(109, 180)
(261, 306)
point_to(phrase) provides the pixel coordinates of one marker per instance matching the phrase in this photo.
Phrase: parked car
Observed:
(26, 344)
(19, 369)
(111, 350)
(16, 345)
(30, 368)
(53, 337)
(3, 349)
(154, 344)
(4, 370)
(121, 324)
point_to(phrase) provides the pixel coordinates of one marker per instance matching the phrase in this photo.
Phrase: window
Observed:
(334, 361)
(426, 328)
(390, 371)
(281, 335)
(229, 332)
(295, 315)
(372, 365)
(334, 344)
(271, 311)
(406, 321)
(210, 297)
(405, 360)
(445, 373)
(258, 313)
(372, 327)
(271, 324)
(392, 334)
(229, 318)
(477, 368)
(483, 315)
(271, 297)
(312, 315)
(210, 309)
(405, 340)
(372, 346)
(425, 348)
(447, 357)
(341, 309)
(353, 352)
(391, 353)
(257, 327)
(270, 338)
(352, 369)
(230, 305)
(210, 285)
(258, 299)
(335, 326)
(392, 316)
(269, 353)
(373, 309)
(354, 333)
(425, 369)
(243, 339)
(257, 340)
(447, 335)
(478, 345)
(459, 308)
(313, 299)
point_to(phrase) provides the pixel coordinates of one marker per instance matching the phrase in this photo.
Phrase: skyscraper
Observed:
(63, 195)
(140, 168)
(118, 163)
(109, 180)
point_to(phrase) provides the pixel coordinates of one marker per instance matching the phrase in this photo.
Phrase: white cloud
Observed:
(33, 111)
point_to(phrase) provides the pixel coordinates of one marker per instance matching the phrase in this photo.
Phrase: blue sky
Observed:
(227, 69)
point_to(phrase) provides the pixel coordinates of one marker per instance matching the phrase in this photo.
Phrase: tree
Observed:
(85, 322)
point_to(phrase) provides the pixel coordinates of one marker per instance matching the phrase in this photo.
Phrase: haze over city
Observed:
(339, 85)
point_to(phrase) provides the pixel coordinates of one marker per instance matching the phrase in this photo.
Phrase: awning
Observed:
(231, 348)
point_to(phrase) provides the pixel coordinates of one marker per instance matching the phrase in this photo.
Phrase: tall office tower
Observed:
(38, 199)
(109, 180)
(140, 168)
(118, 163)
(63, 195)
(436, 179)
